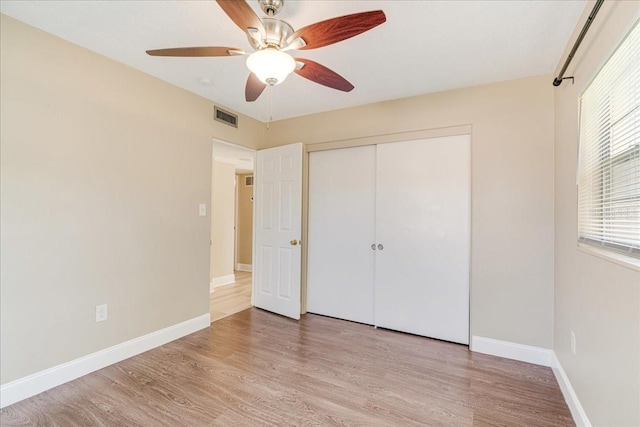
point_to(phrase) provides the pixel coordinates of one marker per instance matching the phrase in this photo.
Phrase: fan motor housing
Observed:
(276, 34)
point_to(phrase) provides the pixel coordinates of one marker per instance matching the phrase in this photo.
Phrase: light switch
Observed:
(101, 313)
(202, 209)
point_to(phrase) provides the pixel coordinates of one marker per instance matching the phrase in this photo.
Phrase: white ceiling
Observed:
(424, 47)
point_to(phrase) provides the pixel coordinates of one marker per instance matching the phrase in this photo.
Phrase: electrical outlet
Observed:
(573, 343)
(101, 313)
(202, 209)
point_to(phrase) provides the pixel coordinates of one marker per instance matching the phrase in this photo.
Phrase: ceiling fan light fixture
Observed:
(270, 65)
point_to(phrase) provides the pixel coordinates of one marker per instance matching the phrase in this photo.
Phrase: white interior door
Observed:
(423, 224)
(341, 232)
(278, 207)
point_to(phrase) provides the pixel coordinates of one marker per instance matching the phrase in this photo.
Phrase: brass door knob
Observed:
(293, 242)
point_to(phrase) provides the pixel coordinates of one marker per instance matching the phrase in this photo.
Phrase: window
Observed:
(609, 159)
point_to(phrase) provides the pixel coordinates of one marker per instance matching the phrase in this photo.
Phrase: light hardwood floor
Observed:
(259, 369)
(232, 298)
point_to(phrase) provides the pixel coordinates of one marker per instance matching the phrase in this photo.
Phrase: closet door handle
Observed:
(380, 247)
(373, 247)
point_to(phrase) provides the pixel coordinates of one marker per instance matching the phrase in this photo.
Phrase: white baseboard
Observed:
(31, 385)
(570, 396)
(244, 267)
(538, 356)
(221, 281)
(509, 350)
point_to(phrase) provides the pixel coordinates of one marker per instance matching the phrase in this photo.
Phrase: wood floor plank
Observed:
(258, 368)
(232, 298)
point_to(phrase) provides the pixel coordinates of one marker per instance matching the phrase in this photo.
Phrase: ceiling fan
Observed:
(270, 64)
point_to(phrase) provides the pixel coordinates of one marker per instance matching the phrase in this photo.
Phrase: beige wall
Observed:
(512, 190)
(222, 219)
(245, 221)
(102, 170)
(595, 298)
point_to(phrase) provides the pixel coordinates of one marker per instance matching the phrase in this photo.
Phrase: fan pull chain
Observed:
(270, 103)
(270, 107)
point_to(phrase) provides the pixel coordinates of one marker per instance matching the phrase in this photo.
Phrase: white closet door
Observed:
(341, 232)
(423, 222)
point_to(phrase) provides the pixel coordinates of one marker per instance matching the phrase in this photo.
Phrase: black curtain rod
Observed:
(558, 80)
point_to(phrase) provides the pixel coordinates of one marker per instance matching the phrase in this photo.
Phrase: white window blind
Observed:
(609, 159)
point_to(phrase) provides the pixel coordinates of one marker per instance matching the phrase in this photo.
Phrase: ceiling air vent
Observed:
(225, 117)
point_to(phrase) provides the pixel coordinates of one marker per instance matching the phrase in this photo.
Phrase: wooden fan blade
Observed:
(197, 51)
(322, 75)
(254, 88)
(337, 29)
(241, 14)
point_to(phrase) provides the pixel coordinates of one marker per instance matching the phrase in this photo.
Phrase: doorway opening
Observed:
(231, 252)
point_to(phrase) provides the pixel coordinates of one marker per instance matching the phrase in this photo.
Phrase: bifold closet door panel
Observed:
(423, 222)
(341, 232)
